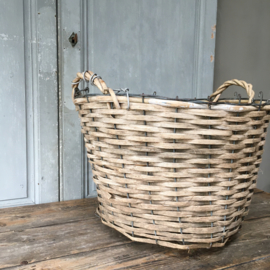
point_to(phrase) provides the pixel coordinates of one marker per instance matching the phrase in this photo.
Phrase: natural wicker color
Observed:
(173, 173)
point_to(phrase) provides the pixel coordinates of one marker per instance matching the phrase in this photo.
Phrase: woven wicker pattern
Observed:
(172, 173)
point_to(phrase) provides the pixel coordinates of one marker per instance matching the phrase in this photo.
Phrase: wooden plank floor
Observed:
(68, 235)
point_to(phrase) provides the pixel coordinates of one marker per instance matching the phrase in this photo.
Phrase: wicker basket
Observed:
(174, 172)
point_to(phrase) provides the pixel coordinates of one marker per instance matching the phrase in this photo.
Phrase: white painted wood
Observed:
(28, 103)
(147, 46)
(47, 102)
(70, 61)
(12, 105)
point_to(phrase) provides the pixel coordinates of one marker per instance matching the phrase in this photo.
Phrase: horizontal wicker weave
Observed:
(175, 173)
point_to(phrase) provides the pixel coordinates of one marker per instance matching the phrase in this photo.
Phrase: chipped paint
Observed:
(4, 37)
(213, 28)
(10, 38)
(7, 37)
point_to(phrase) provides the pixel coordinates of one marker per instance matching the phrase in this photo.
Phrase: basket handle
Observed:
(97, 81)
(226, 84)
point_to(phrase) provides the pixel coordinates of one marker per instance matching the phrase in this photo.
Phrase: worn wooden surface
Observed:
(68, 235)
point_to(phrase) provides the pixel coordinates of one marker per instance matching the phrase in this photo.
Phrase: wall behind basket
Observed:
(243, 52)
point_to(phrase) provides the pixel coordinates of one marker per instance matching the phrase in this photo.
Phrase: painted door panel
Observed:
(28, 103)
(147, 46)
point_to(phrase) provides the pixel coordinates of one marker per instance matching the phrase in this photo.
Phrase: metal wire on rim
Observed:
(84, 76)
(126, 90)
(75, 83)
(93, 77)
(192, 100)
(208, 101)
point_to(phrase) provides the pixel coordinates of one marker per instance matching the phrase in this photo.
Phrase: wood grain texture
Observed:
(38, 244)
(262, 263)
(26, 217)
(87, 244)
(260, 206)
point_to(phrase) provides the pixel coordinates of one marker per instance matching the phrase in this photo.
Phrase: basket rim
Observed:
(203, 101)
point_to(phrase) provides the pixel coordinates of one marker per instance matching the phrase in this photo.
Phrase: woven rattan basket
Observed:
(174, 172)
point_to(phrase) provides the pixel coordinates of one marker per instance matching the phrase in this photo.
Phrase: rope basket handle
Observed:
(226, 84)
(96, 80)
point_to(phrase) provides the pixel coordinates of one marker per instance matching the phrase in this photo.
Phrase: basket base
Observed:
(174, 245)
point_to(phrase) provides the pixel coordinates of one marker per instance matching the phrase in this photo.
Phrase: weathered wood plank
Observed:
(256, 190)
(260, 206)
(68, 235)
(257, 264)
(32, 216)
(44, 243)
(250, 243)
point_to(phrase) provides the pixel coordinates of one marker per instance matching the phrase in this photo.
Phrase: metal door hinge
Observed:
(73, 39)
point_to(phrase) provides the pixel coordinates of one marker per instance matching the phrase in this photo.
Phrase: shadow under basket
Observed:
(178, 173)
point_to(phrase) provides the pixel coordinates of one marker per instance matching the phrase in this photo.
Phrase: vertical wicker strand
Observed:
(93, 167)
(227, 197)
(148, 174)
(119, 146)
(255, 127)
(209, 166)
(91, 151)
(226, 206)
(175, 179)
(239, 208)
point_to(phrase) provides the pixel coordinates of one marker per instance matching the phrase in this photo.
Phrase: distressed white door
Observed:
(154, 45)
(28, 102)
